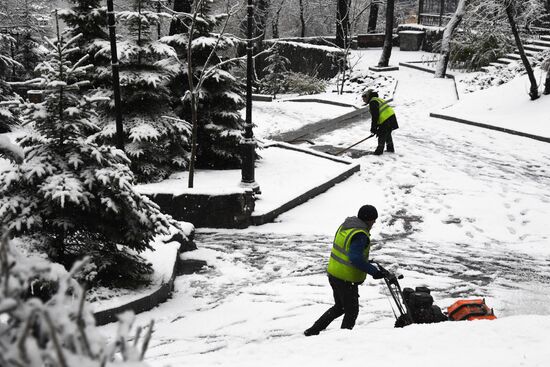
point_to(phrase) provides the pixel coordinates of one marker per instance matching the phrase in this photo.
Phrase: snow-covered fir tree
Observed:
(75, 196)
(157, 141)
(56, 329)
(88, 18)
(27, 21)
(219, 92)
(7, 65)
(277, 64)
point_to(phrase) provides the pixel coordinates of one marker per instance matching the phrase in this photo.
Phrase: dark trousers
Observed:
(346, 302)
(384, 135)
(385, 139)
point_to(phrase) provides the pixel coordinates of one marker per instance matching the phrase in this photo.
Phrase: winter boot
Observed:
(389, 148)
(379, 150)
(311, 331)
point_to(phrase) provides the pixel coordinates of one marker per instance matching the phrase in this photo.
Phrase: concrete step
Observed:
(536, 48)
(505, 61)
(545, 38)
(514, 56)
(542, 43)
(528, 52)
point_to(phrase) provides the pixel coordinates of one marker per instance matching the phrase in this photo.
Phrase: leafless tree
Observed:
(388, 39)
(275, 20)
(342, 22)
(302, 18)
(373, 17)
(510, 12)
(547, 81)
(177, 25)
(441, 68)
(353, 15)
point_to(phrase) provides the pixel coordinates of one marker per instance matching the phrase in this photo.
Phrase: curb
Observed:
(317, 100)
(270, 216)
(145, 303)
(412, 65)
(490, 127)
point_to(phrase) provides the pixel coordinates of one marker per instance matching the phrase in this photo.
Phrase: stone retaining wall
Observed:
(214, 211)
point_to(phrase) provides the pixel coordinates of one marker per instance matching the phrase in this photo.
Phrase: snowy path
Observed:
(462, 210)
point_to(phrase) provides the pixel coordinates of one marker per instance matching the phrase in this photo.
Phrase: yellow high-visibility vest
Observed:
(339, 265)
(384, 110)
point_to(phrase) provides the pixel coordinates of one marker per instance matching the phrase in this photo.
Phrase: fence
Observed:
(436, 12)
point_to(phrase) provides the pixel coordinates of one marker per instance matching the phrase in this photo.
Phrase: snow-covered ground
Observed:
(506, 106)
(463, 210)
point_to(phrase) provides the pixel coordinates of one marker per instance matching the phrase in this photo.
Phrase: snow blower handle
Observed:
(386, 274)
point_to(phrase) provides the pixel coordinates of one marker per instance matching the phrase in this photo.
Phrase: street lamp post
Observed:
(248, 146)
(116, 78)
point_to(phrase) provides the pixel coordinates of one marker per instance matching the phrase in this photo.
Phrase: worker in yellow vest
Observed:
(348, 267)
(383, 120)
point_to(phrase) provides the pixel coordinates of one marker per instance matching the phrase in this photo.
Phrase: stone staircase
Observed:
(532, 47)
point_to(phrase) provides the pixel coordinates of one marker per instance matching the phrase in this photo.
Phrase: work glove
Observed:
(374, 130)
(386, 274)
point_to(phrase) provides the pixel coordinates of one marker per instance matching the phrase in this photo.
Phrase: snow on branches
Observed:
(157, 141)
(55, 328)
(75, 195)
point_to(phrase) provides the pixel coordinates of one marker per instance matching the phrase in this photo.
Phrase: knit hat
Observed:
(368, 94)
(367, 212)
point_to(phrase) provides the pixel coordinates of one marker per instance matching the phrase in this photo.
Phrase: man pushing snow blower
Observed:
(348, 267)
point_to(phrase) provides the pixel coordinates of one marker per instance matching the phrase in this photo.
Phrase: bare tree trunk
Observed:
(534, 90)
(386, 50)
(177, 25)
(260, 19)
(373, 17)
(159, 26)
(302, 19)
(275, 21)
(193, 98)
(342, 22)
(441, 68)
(547, 82)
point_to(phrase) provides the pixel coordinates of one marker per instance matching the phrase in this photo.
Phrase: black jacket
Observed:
(390, 123)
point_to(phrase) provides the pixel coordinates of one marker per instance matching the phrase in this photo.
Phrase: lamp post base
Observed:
(248, 154)
(252, 186)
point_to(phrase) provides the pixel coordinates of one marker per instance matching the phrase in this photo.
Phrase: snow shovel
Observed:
(351, 146)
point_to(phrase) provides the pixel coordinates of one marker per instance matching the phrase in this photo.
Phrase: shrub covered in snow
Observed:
(303, 84)
(75, 196)
(57, 330)
(278, 79)
(157, 141)
(359, 81)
